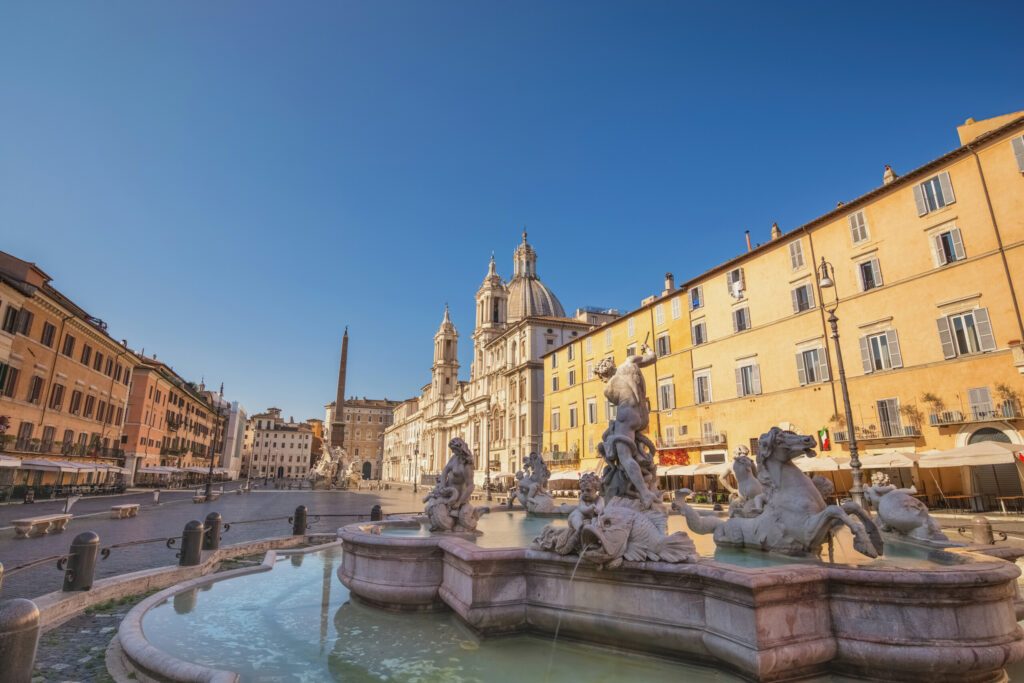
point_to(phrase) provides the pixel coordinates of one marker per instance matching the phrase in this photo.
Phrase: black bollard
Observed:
(299, 521)
(376, 513)
(19, 636)
(191, 544)
(81, 565)
(211, 533)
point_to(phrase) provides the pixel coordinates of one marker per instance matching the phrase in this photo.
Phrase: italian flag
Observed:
(824, 440)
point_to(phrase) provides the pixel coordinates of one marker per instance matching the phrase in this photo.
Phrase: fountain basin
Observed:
(954, 622)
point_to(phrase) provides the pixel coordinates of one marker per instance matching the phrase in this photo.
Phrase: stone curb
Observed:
(131, 653)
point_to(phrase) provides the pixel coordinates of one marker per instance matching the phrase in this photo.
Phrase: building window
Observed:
(607, 339)
(589, 346)
(35, 389)
(69, 345)
(741, 319)
(662, 345)
(592, 410)
(734, 283)
(611, 410)
(811, 367)
(796, 255)
(966, 333)
(554, 359)
(803, 298)
(630, 350)
(10, 382)
(572, 416)
(933, 194)
(572, 377)
(49, 331)
(700, 333)
(880, 351)
(556, 420)
(90, 404)
(76, 402)
(659, 314)
(56, 396)
(870, 274)
(696, 298)
(666, 394)
(889, 417)
(590, 370)
(11, 320)
(858, 228)
(947, 247)
(702, 387)
(630, 328)
(570, 352)
(748, 380)
(981, 404)
(87, 356)
(24, 322)
(97, 361)
(554, 383)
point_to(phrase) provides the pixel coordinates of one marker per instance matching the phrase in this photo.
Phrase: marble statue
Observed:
(794, 519)
(531, 487)
(630, 469)
(750, 499)
(620, 516)
(328, 466)
(447, 505)
(900, 514)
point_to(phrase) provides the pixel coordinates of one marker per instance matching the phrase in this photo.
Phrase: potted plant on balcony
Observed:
(912, 414)
(937, 406)
(1009, 399)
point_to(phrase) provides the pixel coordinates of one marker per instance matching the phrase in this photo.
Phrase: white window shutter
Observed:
(796, 300)
(938, 255)
(958, 244)
(946, 337)
(922, 206)
(947, 188)
(985, 336)
(877, 271)
(801, 373)
(895, 357)
(823, 374)
(739, 381)
(810, 295)
(756, 371)
(865, 355)
(696, 390)
(1018, 151)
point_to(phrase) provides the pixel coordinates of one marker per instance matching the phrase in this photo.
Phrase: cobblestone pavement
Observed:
(167, 520)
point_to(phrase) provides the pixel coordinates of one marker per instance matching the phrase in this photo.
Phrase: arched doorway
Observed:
(995, 480)
(367, 470)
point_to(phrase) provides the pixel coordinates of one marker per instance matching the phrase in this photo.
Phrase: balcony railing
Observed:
(12, 444)
(1006, 410)
(704, 440)
(887, 432)
(563, 458)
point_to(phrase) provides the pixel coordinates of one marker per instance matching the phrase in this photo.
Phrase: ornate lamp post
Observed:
(415, 469)
(826, 273)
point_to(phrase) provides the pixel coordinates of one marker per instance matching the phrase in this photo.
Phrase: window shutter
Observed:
(822, 366)
(895, 357)
(1018, 151)
(756, 371)
(958, 244)
(946, 338)
(739, 381)
(938, 254)
(922, 207)
(801, 373)
(865, 355)
(947, 188)
(810, 296)
(735, 320)
(877, 271)
(696, 390)
(796, 300)
(985, 336)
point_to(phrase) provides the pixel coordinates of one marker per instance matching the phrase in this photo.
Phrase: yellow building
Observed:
(926, 268)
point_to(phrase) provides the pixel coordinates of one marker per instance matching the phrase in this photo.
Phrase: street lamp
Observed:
(826, 280)
(415, 467)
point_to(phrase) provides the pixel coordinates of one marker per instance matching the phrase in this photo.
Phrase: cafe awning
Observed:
(6, 461)
(890, 460)
(980, 453)
(819, 464)
(43, 465)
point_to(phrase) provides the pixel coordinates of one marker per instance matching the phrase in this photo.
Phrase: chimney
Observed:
(888, 175)
(776, 232)
(670, 283)
(748, 240)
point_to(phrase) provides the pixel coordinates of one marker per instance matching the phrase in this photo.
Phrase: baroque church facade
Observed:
(499, 412)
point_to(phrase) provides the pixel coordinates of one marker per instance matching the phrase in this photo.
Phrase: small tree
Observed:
(912, 414)
(1007, 394)
(936, 403)
(838, 420)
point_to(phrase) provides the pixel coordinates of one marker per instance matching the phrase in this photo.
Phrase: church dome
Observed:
(527, 295)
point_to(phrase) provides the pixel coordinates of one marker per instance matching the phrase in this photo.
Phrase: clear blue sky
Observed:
(228, 184)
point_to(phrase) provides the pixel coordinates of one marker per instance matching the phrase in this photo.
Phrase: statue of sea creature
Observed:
(751, 499)
(531, 486)
(565, 540)
(901, 514)
(622, 533)
(795, 519)
(447, 505)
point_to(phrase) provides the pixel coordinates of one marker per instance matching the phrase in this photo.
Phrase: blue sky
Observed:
(228, 184)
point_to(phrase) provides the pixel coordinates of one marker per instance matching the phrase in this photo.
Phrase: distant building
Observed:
(276, 448)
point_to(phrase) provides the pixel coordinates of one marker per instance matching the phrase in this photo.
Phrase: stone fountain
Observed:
(765, 606)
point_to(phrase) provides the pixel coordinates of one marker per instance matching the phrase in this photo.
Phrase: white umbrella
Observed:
(893, 459)
(682, 470)
(819, 464)
(980, 453)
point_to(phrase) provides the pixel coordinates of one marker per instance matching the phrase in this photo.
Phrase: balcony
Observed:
(12, 444)
(887, 432)
(1005, 410)
(707, 439)
(562, 458)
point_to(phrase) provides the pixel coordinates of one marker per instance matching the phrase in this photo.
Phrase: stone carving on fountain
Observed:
(531, 489)
(629, 523)
(794, 518)
(327, 468)
(903, 517)
(447, 505)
